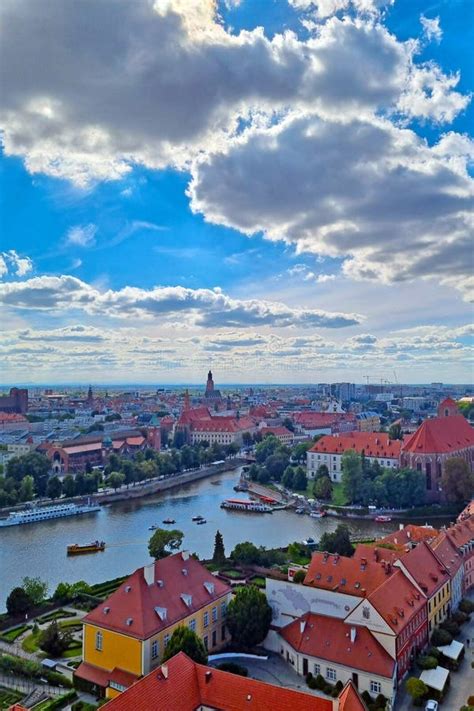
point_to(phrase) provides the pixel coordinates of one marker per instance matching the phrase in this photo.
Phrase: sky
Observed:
(279, 190)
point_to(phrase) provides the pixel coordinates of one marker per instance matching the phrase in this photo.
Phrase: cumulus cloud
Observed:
(11, 263)
(204, 307)
(326, 8)
(431, 28)
(365, 190)
(82, 235)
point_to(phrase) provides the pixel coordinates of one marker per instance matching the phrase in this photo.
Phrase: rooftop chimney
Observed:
(302, 626)
(164, 670)
(353, 634)
(185, 555)
(149, 573)
(208, 676)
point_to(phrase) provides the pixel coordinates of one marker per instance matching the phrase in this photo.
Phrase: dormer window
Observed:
(106, 610)
(187, 599)
(161, 612)
(129, 621)
(210, 587)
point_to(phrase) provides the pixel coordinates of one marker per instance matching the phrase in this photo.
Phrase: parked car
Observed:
(431, 705)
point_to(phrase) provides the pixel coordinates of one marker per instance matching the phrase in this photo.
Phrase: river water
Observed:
(40, 549)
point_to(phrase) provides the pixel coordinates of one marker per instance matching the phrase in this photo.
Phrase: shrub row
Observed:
(14, 633)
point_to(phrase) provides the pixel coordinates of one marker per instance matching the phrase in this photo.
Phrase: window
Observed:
(116, 686)
(214, 614)
(98, 641)
(154, 649)
(166, 640)
(317, 669)
(375, 687)
(206, 619)
(330, 674)
(206, 642)
(223, 609)
(192, 625)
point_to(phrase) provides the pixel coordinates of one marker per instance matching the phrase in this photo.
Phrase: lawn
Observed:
(8, 697)
(233, 574)
(14, 633)
(30, 643)
(259, 581)
(56, 615)
(338, 496)
(71, 625)
(74, 650)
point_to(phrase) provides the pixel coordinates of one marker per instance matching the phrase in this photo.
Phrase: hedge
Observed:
(14, 633)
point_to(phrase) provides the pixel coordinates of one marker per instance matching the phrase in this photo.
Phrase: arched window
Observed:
(98, 641)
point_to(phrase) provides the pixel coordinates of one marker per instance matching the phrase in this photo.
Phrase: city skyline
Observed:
(277, 191)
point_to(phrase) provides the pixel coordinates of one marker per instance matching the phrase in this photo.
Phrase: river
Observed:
(40, 549)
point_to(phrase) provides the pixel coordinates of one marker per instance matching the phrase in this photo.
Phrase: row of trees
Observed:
(24, 478)
(277, 462)
(33, 592)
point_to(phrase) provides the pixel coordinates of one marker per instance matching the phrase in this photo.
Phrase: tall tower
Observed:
(90, 397)
(187, 405)
(209, 384)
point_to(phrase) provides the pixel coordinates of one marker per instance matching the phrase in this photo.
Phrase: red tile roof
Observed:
(441, 435)
(330, 638)
(276, 431)
(462, 532)
(373, 444)
(352, 576)
(397, 601)
(447, 553)
(102, 677)
(140, 610)
(410, 534)
(350, 700)
(425, 568)
(183, 685)
(322, 419)
(223, 424)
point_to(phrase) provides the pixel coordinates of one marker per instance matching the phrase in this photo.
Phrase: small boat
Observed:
(299, 511)
(197, 518)
(201, 521)
(94, 547)
(318, 514)
(383, 519)
(169, 520)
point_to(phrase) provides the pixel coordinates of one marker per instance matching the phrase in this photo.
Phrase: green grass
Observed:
(74, 625)
(338, 496)
(56, 615)
(259, 581)
(14, 633)
(74, 650)
(233, 574)
(31, 642)
(8, 697)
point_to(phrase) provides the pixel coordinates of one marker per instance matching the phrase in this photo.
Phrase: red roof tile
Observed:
(447, 553)
(425, 568)
(183, 685)
(102, 677)
(330, 638)
(346, 575)
(350, 700)
(141, 610)
(410, 534)
(373, 444)
(441, 435)
(397, 601)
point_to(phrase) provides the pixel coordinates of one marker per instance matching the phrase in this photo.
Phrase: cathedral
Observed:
(212, 396)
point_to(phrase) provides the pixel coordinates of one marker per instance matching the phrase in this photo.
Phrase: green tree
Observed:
(351, 475)
(54, 488)
(33, 464)
(69, 487)
(298, 453)
(457, 480)
(253, 472)
(54, 641)
(266, 448)
(18, 602)
(288, 423)
(395, 431)
(300, 482)
(218, 557)
(299, 576)
(248, 617)
(185, 640)
(322, 470)
(337, 542)
(276, 464)
(416, 688)
(115, 480)
(246, 553)
(27, 488)
(163, 542)
(36, 589)
(246, 439)
(287, 478)
(322, 488)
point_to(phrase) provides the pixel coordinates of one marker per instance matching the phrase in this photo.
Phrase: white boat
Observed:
(47, 513)
(245, 505)
(318, 514)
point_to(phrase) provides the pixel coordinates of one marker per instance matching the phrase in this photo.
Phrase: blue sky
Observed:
(280, 191)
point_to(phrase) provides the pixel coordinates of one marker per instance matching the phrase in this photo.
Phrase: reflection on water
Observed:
(40, 549)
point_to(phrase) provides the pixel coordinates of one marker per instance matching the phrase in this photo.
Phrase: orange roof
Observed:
(350, 700)
(276, 431)
(102, 677)
(329, 638)
(397, 601)
(353, 576)
(180, 586)
(410, 534)
(182, 684)
(322, 419)
(462, 532)
(447, 553)
(425, 568)
(441, 435)
(223, 424)
(373, 444)
(12, 417)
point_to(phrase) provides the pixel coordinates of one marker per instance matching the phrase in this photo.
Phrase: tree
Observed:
(163, 542)
(246, 439)
(185, 640)
(416, 688)
(322, 488)
(246, 553)
(33, 464)
(300, 482)
(351, 474)
(288, 423)
(36, 589)
(253, 472)
(322, 470)
(218, 556)
(18, 602)
(115, 480)
(275, 465)
(27, 488)
(337, 542)
(248, 617)
(395, 431)
(457, 480)
(54, 488)
(299, 576)
(69, 486)
(287, 478)
(266, 448)
(53, 641)
(298, 453)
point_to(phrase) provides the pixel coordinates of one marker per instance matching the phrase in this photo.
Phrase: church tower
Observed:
(90, 397)
(209, 385)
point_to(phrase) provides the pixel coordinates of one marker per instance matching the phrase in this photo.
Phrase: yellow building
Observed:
(125, 636)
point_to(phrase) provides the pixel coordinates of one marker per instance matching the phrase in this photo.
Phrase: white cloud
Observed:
(82, 235)
(12, 263)
(202, 307)
(431, 28)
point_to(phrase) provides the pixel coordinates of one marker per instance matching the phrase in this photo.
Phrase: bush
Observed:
(320, 683)
(381, 701)
(59, 702)
(451, 627)
(53, 641)
(233, 668)
(328, 689)
(441, 638)
(366, 697)
(56, 679)
(339, 686)
(83, 706)
(308, 677)
(334, 693)
(299, 576)
(313, 684)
